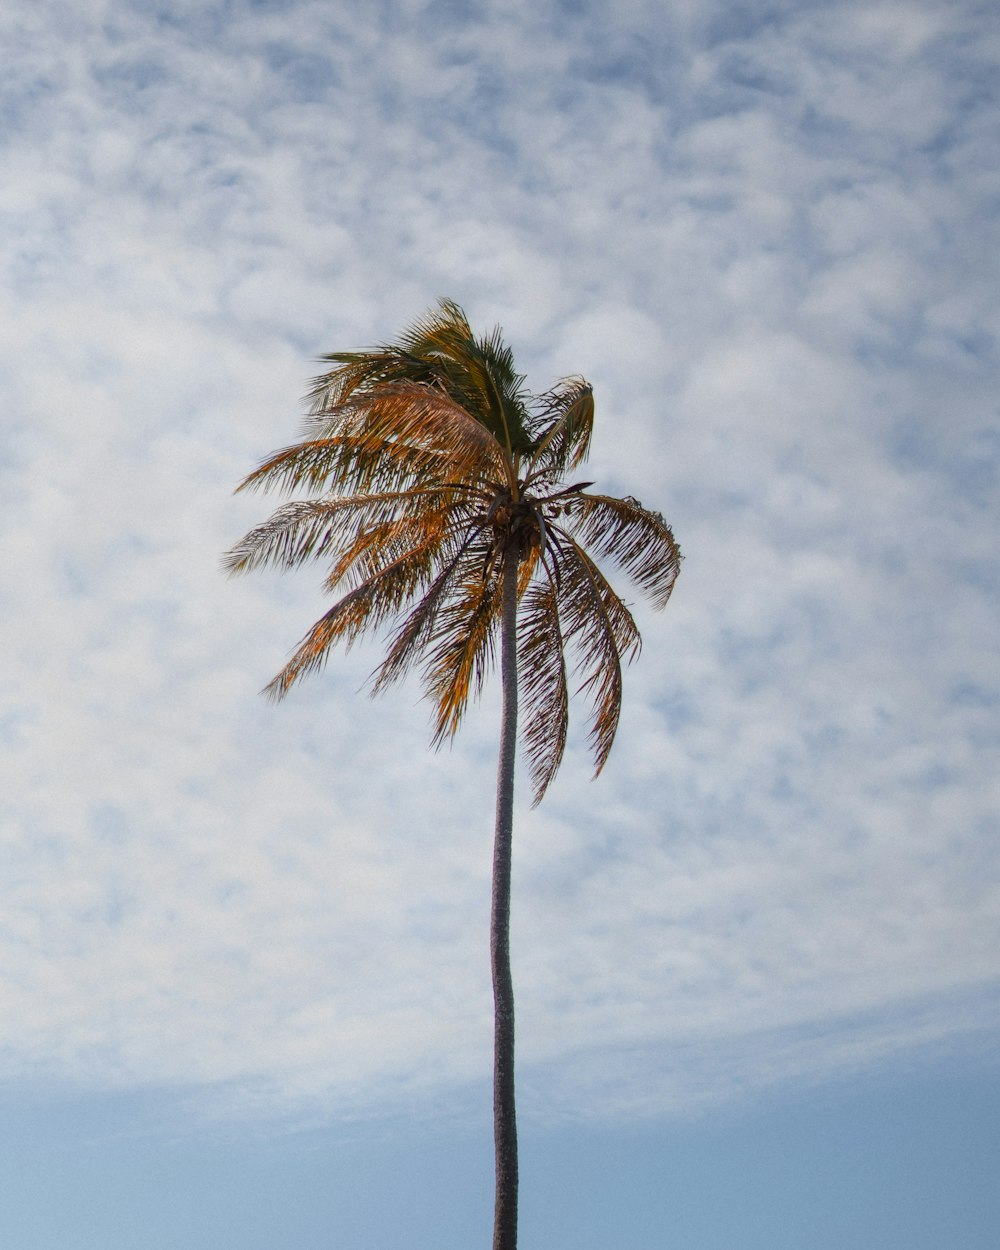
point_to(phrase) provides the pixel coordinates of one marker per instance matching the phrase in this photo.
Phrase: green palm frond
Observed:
(358, 371)
(565, 422)
(421, 355)
(478, 373)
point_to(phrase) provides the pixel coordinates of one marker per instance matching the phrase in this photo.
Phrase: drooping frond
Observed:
(412, 638)
(602, 633)
(465, 643)
(380, 544)
(339, 463)
(379, 598)
(638, 540)
(544, 690)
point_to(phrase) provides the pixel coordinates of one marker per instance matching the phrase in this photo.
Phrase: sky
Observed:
(244, 983)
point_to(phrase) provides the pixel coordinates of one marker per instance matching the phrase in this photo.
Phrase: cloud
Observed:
(770, 244)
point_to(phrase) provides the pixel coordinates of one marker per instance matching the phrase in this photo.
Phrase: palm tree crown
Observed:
(430, 468)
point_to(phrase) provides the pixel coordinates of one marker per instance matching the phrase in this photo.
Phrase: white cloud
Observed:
(771, 248)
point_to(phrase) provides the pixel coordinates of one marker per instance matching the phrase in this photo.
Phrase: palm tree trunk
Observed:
(504, 1119)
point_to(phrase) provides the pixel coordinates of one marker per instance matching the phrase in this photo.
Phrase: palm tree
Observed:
(438, 498)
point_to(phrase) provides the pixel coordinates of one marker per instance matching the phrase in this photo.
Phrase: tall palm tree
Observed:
(438, 497)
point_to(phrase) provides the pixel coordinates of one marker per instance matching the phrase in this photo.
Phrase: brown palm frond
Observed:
(638, 540)
(363, 371)
(400, 436)
(417, 421)
(602, 633)
(465, 638)
(342, 462)
(371, 548)
(417, 631)
(314, 528)
(544, 690)
(527, 570)
(379, 598)
(287, 538)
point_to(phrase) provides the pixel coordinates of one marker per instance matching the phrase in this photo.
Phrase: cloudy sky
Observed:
(767, 234)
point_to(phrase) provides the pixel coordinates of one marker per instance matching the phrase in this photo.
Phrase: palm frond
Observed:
(602, 632)
(357, 371)
(465, 638)
(371, 548)
(565, 422)
(544, 689)
(412, 637)
(478, 373)
(339, 463)
(404, 435)
(491, 368)
(639, 540)
(417, 424)
(421, 355)
(313, 528)
(438, 334)
(377, 599)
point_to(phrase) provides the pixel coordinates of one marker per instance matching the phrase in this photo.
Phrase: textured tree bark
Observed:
(504, 1118)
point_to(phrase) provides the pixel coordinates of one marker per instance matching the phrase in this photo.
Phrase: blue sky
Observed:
(244, 946)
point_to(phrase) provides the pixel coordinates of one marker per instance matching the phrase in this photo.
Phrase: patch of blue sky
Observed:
(747, 19)
(304, 77)
(194, 20)
(650, 64)
(444, 17)
(112, 824)
(973, 694)
(22, 96)
(754, 78)
(966, 468)
(906, 1160)
(129, 78)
